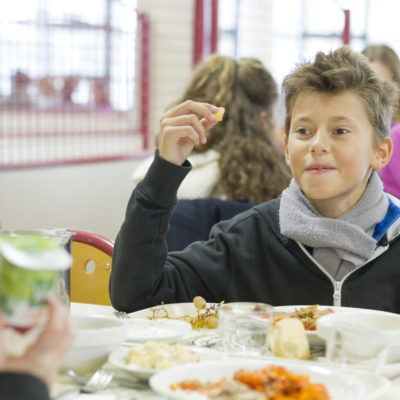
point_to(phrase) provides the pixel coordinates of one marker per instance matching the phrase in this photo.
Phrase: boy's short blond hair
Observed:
(339, 71)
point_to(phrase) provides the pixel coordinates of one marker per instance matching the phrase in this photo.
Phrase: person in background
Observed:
(387, 64)
(331, 238)
(192, 220)
(250, 97)
(30, 376)
(242, 163)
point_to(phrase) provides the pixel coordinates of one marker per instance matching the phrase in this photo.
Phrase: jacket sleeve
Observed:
(18, 386)
(143, 273)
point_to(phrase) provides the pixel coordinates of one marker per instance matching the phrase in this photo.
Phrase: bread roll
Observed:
(288, 339)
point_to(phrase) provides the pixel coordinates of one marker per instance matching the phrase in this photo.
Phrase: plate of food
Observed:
(142, 330)
(143, 360)
(274, 379)
(308, 316)
(199, 313)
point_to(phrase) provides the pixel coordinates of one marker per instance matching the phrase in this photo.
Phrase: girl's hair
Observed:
(245, 89)
(386, 56)
(254, 171)
(339, 71)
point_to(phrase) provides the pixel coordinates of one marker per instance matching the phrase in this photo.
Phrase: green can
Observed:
(30, 265)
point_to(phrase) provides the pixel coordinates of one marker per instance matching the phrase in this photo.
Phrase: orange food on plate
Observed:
(278, 383)
(270, 383)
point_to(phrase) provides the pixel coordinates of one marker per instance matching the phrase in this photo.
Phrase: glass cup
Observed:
(244, 327)
(355, 346)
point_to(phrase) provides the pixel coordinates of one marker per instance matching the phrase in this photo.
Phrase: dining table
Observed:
(130, 387)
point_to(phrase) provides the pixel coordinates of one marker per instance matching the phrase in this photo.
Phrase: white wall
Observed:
(171, 42)
(90, 197)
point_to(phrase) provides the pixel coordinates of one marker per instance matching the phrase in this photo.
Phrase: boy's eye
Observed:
(302, 131)
(341, 131)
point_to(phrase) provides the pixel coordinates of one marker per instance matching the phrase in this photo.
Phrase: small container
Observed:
(30, 265)
(244, 327)
(355, 346)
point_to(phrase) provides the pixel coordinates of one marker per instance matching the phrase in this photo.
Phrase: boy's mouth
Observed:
(319, 169)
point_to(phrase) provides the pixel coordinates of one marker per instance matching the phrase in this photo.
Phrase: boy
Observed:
(333, 237)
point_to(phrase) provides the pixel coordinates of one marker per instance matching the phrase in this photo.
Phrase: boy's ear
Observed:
(286, 147)
(382, 154)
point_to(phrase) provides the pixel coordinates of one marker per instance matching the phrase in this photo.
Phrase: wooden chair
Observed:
(91, 268)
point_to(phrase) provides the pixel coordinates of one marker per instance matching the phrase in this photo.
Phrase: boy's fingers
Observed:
(208, 124)
(181, 132)
(191, 121)
(205, 110)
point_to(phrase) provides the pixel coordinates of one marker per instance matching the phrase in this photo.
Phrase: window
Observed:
(67, 74)
(228, 26)
(310, 26)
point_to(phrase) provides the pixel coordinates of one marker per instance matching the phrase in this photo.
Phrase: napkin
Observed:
(97, 397)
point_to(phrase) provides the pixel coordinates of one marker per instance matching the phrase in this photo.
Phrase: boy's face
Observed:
(330, 150)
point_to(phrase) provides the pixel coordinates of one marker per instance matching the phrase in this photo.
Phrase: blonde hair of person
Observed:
(252, 164)
(386, 56)
(339, 71)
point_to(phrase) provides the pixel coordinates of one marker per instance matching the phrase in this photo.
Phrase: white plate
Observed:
(118, 359)
(174, 310)
(341, 385)
(180, 309)
(166, 330)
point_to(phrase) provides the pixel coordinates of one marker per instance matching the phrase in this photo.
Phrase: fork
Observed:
(98, 381)
(122, 314)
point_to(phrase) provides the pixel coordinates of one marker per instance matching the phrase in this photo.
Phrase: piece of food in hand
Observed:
(288, 339)
(219, 115)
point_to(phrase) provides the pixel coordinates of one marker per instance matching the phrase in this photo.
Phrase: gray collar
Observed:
(340, 244)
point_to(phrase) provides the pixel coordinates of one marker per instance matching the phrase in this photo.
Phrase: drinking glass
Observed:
(244, 327)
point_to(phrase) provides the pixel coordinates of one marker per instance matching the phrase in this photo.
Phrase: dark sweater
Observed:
(192, 220)
(246, 259)
(18, 386)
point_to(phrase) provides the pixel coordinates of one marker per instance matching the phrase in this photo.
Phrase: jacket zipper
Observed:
(337, 285)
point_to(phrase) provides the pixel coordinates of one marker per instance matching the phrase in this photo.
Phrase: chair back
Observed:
(91, 268)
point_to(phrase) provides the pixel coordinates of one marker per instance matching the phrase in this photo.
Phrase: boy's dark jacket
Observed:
(246, 259)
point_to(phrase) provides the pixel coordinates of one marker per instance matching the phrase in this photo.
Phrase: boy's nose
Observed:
(319, 143)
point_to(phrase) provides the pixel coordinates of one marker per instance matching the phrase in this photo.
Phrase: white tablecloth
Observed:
(116, 392)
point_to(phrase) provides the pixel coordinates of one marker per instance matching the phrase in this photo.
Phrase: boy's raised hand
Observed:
(183, 127)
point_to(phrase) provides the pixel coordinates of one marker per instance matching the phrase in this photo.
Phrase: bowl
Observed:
(95, 338)
(362, 325)
(385, 322)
